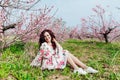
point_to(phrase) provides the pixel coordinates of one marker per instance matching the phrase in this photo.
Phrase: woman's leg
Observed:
(71, 62)
(76, 68)
(76, 60)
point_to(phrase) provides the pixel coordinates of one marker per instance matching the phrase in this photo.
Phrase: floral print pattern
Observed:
(48, 58)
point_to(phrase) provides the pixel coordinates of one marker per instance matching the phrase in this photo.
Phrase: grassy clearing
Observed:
(15, 60)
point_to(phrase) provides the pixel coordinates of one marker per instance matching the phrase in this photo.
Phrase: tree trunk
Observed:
(106, 38)
(2, 36)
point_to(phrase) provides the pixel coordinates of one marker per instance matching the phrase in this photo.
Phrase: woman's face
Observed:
(47, 37)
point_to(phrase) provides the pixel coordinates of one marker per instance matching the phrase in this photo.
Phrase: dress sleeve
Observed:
(43, 53)
(37, 61)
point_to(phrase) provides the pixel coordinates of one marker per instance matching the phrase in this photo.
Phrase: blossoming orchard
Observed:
(21, 21)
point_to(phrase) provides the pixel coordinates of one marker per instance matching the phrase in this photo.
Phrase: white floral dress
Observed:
(48, 58)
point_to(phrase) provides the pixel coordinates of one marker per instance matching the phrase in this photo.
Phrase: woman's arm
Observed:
(43, 53)
(57, 44)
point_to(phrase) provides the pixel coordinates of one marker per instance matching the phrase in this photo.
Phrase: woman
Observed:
(52, 56)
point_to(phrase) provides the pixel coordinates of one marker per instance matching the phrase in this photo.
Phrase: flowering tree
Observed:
(28, 24)
(60, 29)
(76, 32)
(84, 30)
(9, 19)
(31, 26)
(102, 26)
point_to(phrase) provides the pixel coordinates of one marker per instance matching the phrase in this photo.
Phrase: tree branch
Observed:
(8, 27)
(19, 7)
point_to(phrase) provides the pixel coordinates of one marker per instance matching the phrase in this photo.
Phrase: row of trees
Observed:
(98, 26)
(14, 20)
(21, 21)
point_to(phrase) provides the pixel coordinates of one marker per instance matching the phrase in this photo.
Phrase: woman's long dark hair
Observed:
(42, 38)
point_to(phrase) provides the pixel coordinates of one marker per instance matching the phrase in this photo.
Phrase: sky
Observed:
(71, 11)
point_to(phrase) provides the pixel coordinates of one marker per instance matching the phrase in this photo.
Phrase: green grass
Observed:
(15, 62)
